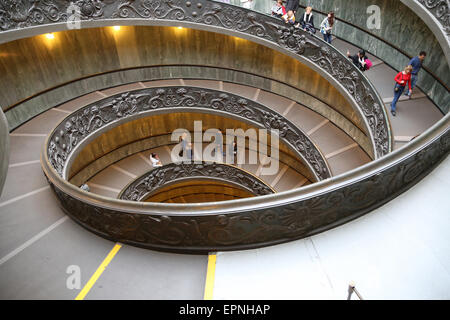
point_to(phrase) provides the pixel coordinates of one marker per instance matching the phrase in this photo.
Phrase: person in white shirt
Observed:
(156, 162)
(85, 187)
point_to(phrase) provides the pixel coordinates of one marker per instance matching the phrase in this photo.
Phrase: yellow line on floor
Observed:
(98, 272)
(210, 273)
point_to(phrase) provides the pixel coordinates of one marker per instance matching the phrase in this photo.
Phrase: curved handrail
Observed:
(30, 18)
(413, 4)
(232, 76)
(250, 223)
(83, 125)
(260, 221)
(140, 188)
(436, 15)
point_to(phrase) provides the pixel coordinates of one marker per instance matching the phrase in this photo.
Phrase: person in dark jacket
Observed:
(307, 20)
(416, 63)
(359, 59)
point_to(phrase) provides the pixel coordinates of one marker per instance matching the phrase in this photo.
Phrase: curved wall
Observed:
(198, 191)
(401, 27)
(133, 76)
(435, 15)
(75, 54)
(4, 149)
(161, 126)
(123, 152)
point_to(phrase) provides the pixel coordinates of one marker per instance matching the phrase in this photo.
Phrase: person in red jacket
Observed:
(402, 79)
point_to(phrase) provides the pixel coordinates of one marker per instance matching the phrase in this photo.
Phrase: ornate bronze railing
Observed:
(246, 223)
(140, 188)
(440, 9)
(259, 221)
(436, 14)
(17, 18)
(90, 121)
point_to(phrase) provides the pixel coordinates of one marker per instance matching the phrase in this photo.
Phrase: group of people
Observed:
(405, 79)
(289, 11)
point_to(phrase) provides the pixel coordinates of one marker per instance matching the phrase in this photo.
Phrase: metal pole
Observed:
(351, 289)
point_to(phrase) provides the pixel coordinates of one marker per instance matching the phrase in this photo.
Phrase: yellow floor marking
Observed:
(209, 285)
(98, 272)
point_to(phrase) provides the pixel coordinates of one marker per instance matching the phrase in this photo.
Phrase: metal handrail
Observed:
(261, 221)
(403, 52)
(372, 169)
(75, 131)
(227, 19)
(176, 172)
(265, 220)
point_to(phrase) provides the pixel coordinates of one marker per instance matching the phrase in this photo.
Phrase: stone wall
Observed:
(75, 54)
(400, 27)
(4, 149)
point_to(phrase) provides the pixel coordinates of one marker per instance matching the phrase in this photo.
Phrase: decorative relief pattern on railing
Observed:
(440, 9)
(265, 226)
(86, 121)
(21, 14)
(151, 181)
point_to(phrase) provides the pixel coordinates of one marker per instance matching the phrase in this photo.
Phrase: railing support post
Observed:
(351, 289)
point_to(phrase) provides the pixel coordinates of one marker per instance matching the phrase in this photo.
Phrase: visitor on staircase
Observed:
(326, 27)
(416, 63)
(402, 79)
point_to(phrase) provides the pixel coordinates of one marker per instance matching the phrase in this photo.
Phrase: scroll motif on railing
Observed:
(260, 227)
(440, 9)
(146, 184)
(87, 120)
(21, 14)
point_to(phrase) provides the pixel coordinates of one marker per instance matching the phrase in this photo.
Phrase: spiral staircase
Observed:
(307, 240)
